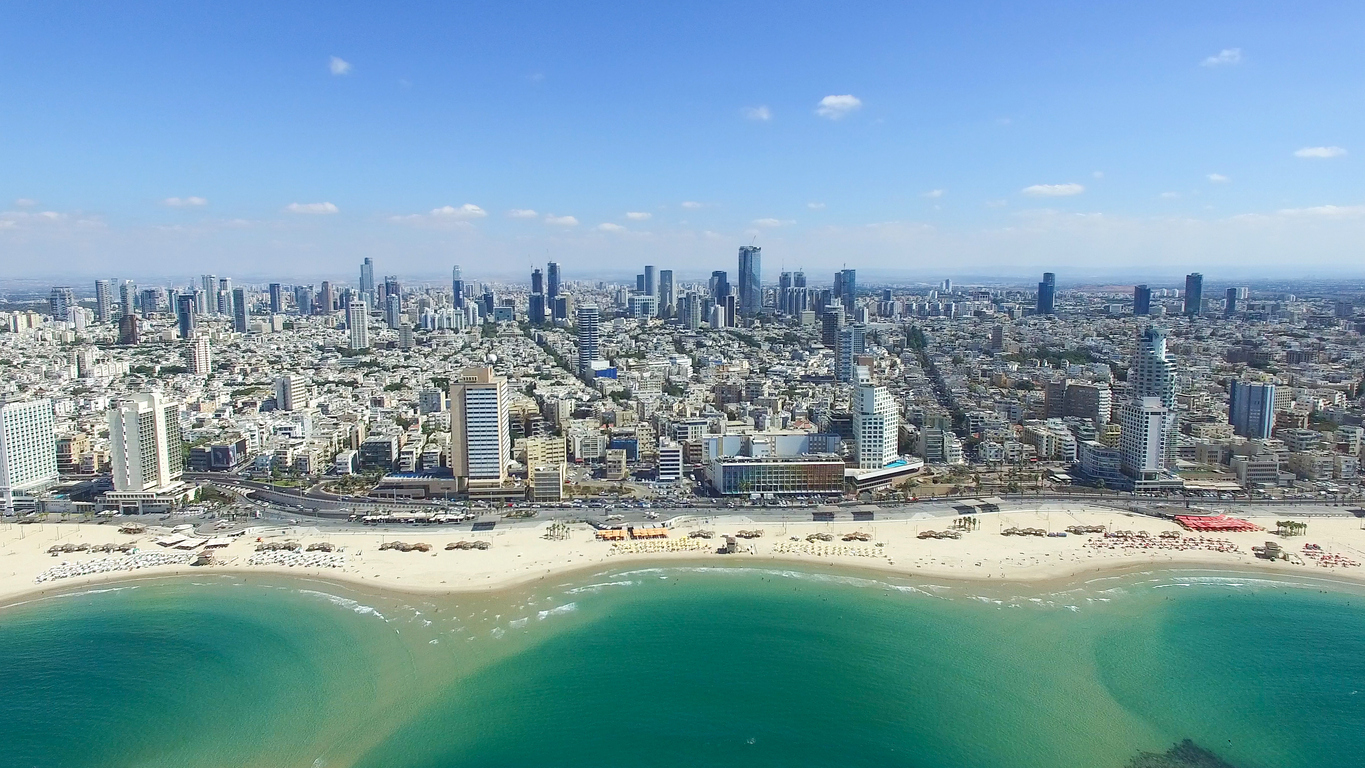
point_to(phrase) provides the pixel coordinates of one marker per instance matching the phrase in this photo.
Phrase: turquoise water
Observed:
(688, 667)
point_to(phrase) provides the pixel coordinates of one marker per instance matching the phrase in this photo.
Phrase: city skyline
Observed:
(1167, 138)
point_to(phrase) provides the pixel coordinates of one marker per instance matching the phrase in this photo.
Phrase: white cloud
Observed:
(1320, 153)
(815, 206)
(1054, 190)
(835, 107)
(638, 215)
(325, 208)
(1225, 57)
(771, 222)
(561, 221)
(339, 66)
(933, 193)
(1334, 211)
(25, 202)
(185, 202)
(1217, 178)
(691, 205)
(760, 113)
(608, 227)
(1169, 195)
(463, 213)
(522, 213)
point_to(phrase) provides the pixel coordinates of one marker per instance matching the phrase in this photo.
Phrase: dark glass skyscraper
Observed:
(277, 300)
(1229, 302)
(1194, 293)
(1142, 300)
(552, 279)
(185, 307)
(456, 287)
(750, 280)
(1047, 294)
(537, 281)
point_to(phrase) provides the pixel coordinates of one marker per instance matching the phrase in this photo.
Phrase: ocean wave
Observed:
(598, 587)
(559, 609)
(518, 623)
(93, 591)
(344, 602)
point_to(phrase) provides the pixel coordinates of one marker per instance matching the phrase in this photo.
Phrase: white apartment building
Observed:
(28, 449)
(358, 324)
(480, 440)
(875, 426)
(145, 450)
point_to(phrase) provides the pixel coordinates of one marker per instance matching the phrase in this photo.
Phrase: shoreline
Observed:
(521, 555)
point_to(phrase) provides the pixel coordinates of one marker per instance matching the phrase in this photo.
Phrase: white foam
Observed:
(559, 609)
(344, 602)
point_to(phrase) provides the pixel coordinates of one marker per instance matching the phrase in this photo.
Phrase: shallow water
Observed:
(688, 666)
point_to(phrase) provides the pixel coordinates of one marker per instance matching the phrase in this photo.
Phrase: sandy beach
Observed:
(522, 553)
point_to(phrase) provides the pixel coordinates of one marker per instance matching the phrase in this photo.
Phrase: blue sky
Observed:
(963, 138)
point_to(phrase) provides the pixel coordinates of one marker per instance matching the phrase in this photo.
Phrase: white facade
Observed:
(144, 444)
(480, 443)
(358, 324)
(1142, 442)
(201, 356)
(875, 426)
(28, 448)
(289, 393)
(670, 461)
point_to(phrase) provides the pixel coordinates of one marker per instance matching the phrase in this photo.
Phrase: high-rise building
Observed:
(1047, 294)
(667, 300)
(127, 297)
(239, 310)
(200, 357)
(290, 391)
(277, 300)
(535, 309)
(651, 281)
(552, 280)
(690, 311)
(588, 318)
(876, 426)
(104, 301)
(1153, 376)
(1229, 303)
(1142, 300)
(1251, 409)
(480, 435)
(830, 323)
(185, 315)
(1194, 294)
(456, 287)
(28, 449)
(720, 286)
(127, 330)
(784, 290)
(846, 288)
(393, 310)
(367, 279)
(750, 280)
(358, 324)
(561, 308)
(537, 281)
(852, 342)
(144, 444)
(60, 303)
(326, 299)
(1142, 441)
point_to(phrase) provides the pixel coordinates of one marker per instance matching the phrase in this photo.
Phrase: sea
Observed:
(691, 665)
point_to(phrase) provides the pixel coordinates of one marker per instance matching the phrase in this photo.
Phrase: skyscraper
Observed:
(1251, 408)
(535, 309)
(651, 281)
(28, 449)
(239, 310)
(277, 300)
(750, 280)
(393, 310)
(480, 436)
(784, 290)
(720, 286)
(127, 297)
(537, 281)
(185, 315)
(1194, 294)
(358, 324)
(60, 303)
(1142, 300)
(325, 299)
(200, 357)
(1153, 377)
(690, 311)
(830, 323)
(876, 426)
(588, 318)
(210, 285)
(846, 285)
(1047, 294)
(456, 287)
(1229, 303)
(1143, 439)
(852, 342)
(667, 300)
(144, 444)
(367, 279)
(552, 280)
(104, 301)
